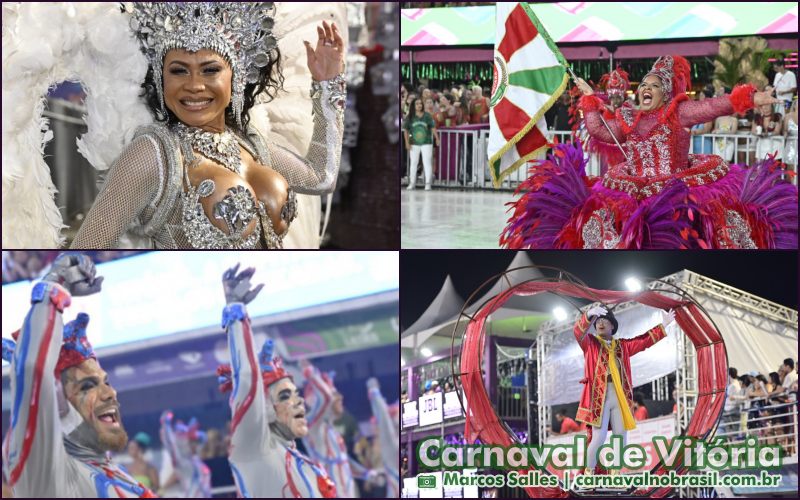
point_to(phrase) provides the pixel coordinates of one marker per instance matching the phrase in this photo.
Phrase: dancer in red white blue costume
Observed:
(388, 435)
(324, 442)
(65, 417)
(190, 473)
(268, 412)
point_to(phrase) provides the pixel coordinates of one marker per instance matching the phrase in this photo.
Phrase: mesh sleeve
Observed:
(592, 108)
(316, 173)
(133, 182)
(694, 112)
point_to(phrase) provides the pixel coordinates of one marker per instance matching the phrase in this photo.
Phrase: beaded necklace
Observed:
(223, 148)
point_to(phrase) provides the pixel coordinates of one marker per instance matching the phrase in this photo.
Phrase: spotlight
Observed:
(560, 313)
(633, 284)
(425, 352)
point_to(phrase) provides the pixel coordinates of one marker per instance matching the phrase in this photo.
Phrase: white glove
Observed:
(596, 311)
(237, 286)
(76, 273)
(667, 318)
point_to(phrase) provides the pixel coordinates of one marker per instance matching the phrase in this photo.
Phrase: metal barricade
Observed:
(459, 158)
(521, 173)
(463, 162)
(733, 148)
(769, 422)
(743, 148)
(512, 402)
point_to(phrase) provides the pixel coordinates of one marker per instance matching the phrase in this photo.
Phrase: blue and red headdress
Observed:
(75, 349)
(271, 365)
(271, 368)
(190, 431)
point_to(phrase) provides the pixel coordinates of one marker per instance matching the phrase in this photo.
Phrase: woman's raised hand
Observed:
(327, 59)
(761, 98)
(584, 87)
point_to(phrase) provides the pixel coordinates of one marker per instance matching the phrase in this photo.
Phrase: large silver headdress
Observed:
(239, 32)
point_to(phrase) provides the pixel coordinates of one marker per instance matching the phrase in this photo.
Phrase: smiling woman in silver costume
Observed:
(202, 177)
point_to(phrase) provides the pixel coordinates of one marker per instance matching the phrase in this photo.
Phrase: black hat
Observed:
(610, 317)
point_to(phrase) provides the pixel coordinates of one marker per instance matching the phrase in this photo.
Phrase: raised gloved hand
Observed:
(237, 286)
(667, 318)
(373, 383)
(596, 311)
(76, 273)
(166, 417)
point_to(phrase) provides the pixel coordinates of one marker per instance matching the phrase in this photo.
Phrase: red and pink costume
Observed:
(661, 196)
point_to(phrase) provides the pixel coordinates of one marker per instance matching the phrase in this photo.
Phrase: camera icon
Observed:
(426, 481)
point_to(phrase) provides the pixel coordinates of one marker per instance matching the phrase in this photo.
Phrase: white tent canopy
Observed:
(542, 302)
(516, 306)
(448, 303)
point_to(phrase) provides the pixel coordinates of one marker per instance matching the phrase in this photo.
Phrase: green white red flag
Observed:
(529, 75)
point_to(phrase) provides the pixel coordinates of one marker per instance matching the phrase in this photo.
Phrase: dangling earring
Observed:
(237, 98)
(237, 102)
(158, 78)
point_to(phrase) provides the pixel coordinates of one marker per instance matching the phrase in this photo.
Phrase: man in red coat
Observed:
(607, 394)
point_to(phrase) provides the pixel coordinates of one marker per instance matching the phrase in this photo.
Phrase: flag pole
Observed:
(575, 79)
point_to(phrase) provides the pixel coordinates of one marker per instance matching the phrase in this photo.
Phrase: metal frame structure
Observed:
(688, 375)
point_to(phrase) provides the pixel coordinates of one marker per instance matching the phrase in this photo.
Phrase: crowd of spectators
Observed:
(756, 405)
(21, 265)
(458, 105)
(739, 138)
(762, 406)
(432, 386)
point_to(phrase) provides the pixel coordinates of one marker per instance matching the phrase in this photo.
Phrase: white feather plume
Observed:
(287, 119)
(45, 44)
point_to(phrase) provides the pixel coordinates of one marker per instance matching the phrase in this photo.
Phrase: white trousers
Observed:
(426, 150)
(611, 411)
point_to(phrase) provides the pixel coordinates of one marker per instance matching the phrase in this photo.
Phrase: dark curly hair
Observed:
(270, 81)
(412, 110)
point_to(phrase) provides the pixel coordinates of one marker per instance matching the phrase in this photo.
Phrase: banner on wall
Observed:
(430, 409)
(599, 21)
(410, 414)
